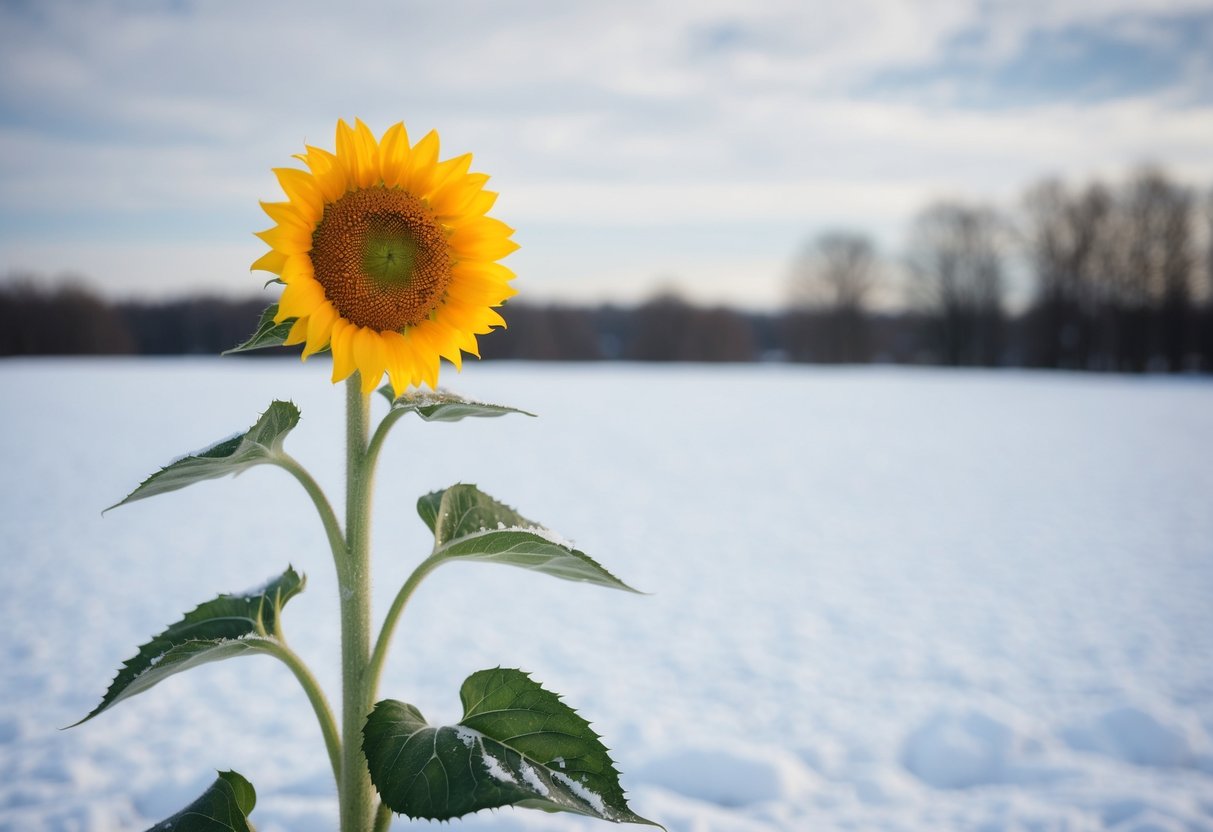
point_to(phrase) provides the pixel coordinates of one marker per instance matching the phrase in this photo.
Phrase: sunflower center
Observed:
(382, 259)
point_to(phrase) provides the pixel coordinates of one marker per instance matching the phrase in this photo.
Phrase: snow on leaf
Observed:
(516, 745)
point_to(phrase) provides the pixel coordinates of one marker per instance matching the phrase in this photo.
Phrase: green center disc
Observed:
(389, 259)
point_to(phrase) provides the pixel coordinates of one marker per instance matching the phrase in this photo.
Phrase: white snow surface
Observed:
(880, 599)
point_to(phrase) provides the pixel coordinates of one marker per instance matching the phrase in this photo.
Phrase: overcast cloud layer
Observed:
(698, 144)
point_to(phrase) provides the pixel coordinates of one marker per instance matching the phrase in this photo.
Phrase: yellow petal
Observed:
(298, 267)
(484, 239)
(422, 159)
(298, 333)
(466, 328)
(412, 362)
(393, 154)
(342, 346)
(347, 151)
(453, 196)
(443, 172)
(300, 298)
(426, 354)
(486, 271)
(471, 293)
(475, 210)
(286, 213)
(271, 261)
(399, 360)
(485, 227)
(457, 341)
(370, 358)
(477, 318)
(474, 283)
(286, 239)
(329, 175)
(300, 188)
(320, 328)
(368, 155)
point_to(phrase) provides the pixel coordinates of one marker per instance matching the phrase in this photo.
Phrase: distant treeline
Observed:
(1121, 280)
(73, 321)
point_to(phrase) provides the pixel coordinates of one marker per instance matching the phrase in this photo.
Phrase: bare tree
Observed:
(831, 280)
(956, 255)
(1152, 263)
(68, 319)
(1064, 235)
(667, 328)
(1205, 321)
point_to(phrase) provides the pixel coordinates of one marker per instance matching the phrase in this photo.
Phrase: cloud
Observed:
(137, 127)
(1081, 61)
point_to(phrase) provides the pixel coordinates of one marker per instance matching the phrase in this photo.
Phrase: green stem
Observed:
(332, 528)
(383, 818)
(315, 695)
(393, 614)
(381, 432)
(356, 795)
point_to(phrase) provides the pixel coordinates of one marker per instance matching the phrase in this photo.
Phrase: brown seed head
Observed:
(381, 257)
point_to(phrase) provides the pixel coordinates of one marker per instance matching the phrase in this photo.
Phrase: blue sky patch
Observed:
(1117, 58)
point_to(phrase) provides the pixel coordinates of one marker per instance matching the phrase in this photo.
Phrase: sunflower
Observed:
(387, 256)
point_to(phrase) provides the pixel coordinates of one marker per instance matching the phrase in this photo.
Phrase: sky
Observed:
(694, 146)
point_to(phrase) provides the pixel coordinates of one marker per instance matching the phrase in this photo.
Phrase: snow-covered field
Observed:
(881, 599)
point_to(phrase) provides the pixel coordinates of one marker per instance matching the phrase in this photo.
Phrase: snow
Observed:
(879, 599)
(959, 749)
(730, 776)
(547, 534)
(466, 735)
(1138, 736)
(591, 797)
(533, 780)
(498, 772)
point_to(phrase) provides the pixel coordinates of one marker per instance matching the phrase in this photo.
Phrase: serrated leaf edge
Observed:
(257, 634)
(547, 535)
(544, 535)
(275, 446)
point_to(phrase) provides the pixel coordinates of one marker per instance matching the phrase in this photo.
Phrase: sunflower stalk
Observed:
(356, 794)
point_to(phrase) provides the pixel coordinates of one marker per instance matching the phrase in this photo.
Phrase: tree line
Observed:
(1120, 278)
(1117, 275)
(72, 320)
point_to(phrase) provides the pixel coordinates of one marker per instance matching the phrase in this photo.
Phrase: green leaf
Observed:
(267, 334)
(442, 406)
(470, 525)
(227, 626)
(224, 807)
(517, 744)
(255, 446)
